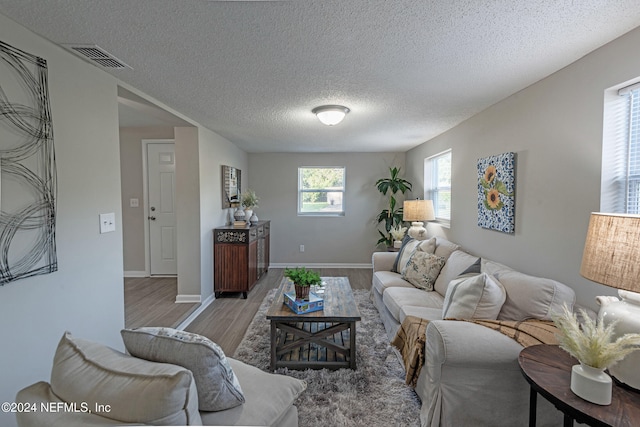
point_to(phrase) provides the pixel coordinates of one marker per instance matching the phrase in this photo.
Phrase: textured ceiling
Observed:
(408, 69)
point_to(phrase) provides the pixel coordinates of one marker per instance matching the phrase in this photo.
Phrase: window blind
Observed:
(621, 153)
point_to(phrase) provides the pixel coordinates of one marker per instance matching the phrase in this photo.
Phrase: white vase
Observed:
(397, 244)
(591, 384)
(254, 218)
(247, 214)
(627, 314)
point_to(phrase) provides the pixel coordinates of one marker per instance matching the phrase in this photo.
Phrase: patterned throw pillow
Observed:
(478, 296)
(409, 244)
(218, 387)
(422, 269)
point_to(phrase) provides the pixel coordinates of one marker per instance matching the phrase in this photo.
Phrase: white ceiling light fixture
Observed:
(330, 115)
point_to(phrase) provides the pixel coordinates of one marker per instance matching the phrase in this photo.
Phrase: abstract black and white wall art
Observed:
(496, 192)
(27, 168)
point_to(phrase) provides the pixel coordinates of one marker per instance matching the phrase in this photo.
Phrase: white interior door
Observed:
(161, 180)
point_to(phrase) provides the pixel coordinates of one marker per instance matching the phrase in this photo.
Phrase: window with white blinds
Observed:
(621, 153)
(437, 184)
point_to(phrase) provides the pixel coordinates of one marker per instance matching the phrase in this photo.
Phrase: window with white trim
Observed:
(620, 189)
(321, 191)
(437, 184)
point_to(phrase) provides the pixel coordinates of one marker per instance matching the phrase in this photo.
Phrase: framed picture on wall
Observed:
(230, 186)
(496, 192)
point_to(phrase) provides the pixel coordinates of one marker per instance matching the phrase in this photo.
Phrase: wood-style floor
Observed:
(151, 302)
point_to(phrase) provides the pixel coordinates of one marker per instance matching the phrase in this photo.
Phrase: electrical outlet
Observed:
(301, 248)
(107, 222)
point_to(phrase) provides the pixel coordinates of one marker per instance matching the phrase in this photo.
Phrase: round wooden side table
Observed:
(547, 369)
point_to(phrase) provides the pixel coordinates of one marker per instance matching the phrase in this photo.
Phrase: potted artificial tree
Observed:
(302, 279)
(392, 216)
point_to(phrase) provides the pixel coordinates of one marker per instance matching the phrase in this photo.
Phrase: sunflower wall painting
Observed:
(496, 192)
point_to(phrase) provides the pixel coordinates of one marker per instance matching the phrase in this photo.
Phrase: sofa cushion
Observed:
(268, 397)
(445, 248)
(457, 263)
(135, 390)
(530, 297)
(409, 244)
(387, 279)
(218, 387)
(422, 269)
(395, 298)
(493, 268)
(476, 296)
(421, 312)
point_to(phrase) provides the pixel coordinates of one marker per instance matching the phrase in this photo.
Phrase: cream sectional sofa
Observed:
(95, 385)
(471, 375)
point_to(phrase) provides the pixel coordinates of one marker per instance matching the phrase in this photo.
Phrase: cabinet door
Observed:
(231, 273)
(253, 263)
(267, 242)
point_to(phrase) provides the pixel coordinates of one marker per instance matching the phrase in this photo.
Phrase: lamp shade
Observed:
(418, 210)
(612, 251)
(330, 115)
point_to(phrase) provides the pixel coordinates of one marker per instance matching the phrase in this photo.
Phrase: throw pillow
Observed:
(474, 297)
(138, 391)
(397, 265)
(409, 244)
(422, 269)
(473, 269)
(218, 387)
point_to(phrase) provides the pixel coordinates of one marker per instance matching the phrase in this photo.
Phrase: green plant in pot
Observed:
(302, 279)
(392, 216)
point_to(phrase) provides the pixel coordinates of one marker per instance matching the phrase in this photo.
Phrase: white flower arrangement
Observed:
(592, 343)
(398, 232)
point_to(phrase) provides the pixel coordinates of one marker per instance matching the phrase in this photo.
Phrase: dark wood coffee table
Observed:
(547, 368)
(322, 339)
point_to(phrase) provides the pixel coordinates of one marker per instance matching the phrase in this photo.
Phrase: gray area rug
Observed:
(373, 395)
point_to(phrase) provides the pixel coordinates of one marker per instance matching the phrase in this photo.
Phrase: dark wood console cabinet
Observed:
(241, 257)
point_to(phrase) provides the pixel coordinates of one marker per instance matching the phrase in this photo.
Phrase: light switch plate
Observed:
(107, 222)
(134, 203)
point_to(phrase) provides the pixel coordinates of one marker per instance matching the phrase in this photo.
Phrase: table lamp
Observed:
(612, 257)
(417, 211)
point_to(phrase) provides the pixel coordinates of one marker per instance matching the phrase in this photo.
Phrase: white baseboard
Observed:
(186, 322)
(135, 274)
(319, 265)
(189, 299)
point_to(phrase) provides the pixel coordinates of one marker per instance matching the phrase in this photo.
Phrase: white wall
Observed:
(214, 151)
(85, 296)
(555, 127)
(328, 240)
(200, 155)
(187, 211)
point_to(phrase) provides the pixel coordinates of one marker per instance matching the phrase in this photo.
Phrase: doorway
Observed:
(160, 207)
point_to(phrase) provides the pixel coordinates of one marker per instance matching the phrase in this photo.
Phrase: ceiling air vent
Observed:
(98, 55)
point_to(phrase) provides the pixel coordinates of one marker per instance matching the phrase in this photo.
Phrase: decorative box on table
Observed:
(299, 306)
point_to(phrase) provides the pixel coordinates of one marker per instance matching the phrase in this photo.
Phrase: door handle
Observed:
(152, 218)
